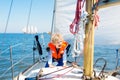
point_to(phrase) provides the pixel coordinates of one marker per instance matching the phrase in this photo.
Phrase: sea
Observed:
(17, 49)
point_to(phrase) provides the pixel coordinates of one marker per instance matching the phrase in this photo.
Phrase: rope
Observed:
(7, 21)
(57, 76)
(75, 22)
(74, 27)
(29, 14)
(56, 71)
(8, 16)
(94, 11)
(73, 65)
(95, 22)
(79, 37)
(79, 34)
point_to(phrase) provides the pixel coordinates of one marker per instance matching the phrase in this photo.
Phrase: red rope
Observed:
(96, 19)
(74, 27)
(96, 16)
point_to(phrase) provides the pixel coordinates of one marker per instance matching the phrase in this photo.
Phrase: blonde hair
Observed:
(56, 37)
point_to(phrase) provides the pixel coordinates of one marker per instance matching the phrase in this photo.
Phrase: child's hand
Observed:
(65, 65)
(51, 66)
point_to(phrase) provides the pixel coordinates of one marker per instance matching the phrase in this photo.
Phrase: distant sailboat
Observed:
(30, 30)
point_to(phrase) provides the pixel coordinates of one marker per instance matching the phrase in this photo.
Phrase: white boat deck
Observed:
(56, 73)
(61, 73)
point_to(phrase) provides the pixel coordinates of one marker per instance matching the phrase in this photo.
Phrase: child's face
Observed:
(58, 44)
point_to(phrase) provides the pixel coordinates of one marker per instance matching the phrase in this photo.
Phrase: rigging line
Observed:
(8, 16)
(59, 75)
(14, 65)
(57, 70)
(9, 48)
(29, 14)
(53, 18)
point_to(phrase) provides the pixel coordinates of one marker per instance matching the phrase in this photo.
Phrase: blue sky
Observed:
(41, 15)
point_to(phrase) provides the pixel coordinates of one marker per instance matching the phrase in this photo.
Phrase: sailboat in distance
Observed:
(30, 30)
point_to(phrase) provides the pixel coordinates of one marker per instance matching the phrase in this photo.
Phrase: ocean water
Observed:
(22, 53)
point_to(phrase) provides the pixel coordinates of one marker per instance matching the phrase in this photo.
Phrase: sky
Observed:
(41, 15)
(108, 30)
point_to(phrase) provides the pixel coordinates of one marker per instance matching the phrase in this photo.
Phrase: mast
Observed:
(53, 18)
(89, 41)
(89, 36)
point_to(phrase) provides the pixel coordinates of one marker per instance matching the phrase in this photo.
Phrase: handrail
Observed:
(117, 58)
(14, 65)
(11, 60)
(9, 48)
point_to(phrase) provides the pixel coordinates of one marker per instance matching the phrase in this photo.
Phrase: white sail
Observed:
(64, 15)
(30, 30)
(65, 12)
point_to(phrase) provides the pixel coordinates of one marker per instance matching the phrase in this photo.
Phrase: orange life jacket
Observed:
(57, 55)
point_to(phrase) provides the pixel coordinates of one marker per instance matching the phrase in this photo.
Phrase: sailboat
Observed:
(30, 30)
(63, 17)
(76, 17)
